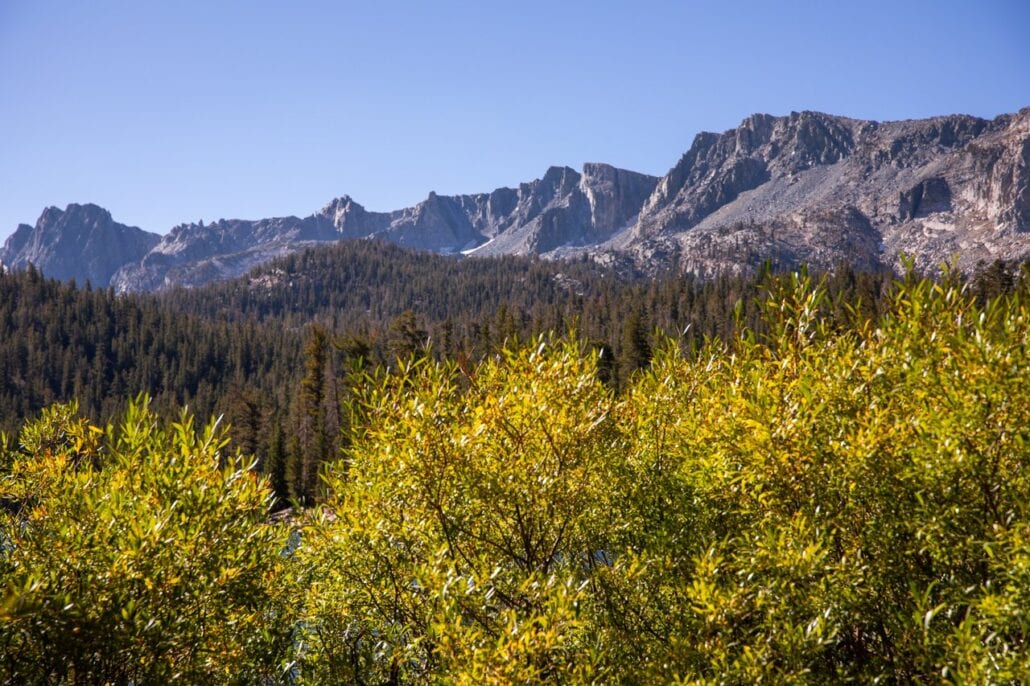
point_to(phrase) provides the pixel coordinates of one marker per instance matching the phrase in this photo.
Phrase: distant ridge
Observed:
(806, 187)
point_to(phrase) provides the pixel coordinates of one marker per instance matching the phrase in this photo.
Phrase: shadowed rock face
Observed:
(927, 197)
(81, 242)
(807, 187)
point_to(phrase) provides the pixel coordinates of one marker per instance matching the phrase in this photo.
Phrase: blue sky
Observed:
(166, 112)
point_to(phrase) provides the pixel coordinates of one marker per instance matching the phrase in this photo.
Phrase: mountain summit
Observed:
(81, 242)
(806, 187)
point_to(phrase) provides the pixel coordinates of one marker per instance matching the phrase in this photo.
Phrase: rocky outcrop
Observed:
(564, 209)
(194, 254)
(81, 242)
(351, 220)
(929, 196)
(718, 168)
(438, 223)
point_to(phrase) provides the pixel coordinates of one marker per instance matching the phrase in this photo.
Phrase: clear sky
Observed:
(165, 112)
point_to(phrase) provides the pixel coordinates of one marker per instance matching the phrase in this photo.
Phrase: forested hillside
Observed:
(278, 353)
(59, 342)
(826, 497)
(394, 301)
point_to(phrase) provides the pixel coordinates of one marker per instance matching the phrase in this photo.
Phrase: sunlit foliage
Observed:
(813, 505)
(137, 554)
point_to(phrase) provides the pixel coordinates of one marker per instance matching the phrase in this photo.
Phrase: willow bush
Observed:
(463, 526)
(809, 505)
(139, 554)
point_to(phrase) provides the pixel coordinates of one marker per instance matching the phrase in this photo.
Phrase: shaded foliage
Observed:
(59, 343)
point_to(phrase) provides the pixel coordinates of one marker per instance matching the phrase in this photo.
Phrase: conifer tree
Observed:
(310, 444)
(275, 462)
(636, 344)
(406, 337)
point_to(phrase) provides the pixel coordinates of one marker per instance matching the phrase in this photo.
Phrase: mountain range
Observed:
(803, 188)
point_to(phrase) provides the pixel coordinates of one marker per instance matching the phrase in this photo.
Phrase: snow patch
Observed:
(473, 251)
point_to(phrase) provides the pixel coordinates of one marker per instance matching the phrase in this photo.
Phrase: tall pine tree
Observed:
(310, 445)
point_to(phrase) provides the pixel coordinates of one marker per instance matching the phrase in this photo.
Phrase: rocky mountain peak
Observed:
(81, 242)
(806, 139)
(811, 187)
(615, 197)
(560, 179)
(350, 219)
(84, 215)
(16, 242)
(336, 205)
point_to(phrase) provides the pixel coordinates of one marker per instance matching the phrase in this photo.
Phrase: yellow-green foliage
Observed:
(136, 554)
(462, 532)
(851, 491)
(806, 506)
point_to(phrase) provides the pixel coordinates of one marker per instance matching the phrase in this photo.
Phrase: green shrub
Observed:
(137, 554)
